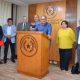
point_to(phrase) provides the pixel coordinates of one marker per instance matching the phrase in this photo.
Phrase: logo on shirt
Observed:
(28, 45)
(50, 11)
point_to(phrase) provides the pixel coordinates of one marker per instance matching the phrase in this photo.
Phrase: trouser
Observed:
(65, 55)
(78, 55)
(12, 47)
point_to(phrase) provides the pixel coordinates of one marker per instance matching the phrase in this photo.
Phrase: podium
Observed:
(33, 53)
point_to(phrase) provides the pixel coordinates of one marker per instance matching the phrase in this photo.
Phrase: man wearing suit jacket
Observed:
(23, 26)
(9, 32)
(78, 46)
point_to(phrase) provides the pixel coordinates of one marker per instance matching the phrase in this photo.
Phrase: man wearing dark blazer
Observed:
(24, 25)
(78, 46)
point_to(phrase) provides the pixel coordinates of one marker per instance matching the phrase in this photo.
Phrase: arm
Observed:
(1, 33)
(4, 31)
(49, 30)
(34, 29)
(73, 36)
(18, 28)
(29, 26)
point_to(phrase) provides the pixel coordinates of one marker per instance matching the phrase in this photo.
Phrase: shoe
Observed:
(5, 62)
(62, 69)
(66, 69)
(78, 72)
(13, 60)
(1, 62)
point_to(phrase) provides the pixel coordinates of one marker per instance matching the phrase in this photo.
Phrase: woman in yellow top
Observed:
(65, 39)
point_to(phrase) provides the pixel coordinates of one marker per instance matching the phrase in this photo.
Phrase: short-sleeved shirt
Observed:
(44, 28)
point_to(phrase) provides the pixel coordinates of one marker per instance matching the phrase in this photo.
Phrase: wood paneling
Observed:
(31, 52)
(64, 9)
(71, 13)
(31, 12)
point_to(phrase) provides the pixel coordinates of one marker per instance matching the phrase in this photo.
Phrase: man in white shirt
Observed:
(9, 32)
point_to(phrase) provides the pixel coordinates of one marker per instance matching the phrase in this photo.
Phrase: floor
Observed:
(8, 72)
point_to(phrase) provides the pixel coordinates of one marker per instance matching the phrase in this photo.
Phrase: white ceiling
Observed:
(25, 2)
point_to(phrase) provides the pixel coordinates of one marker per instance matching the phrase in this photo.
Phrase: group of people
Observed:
(8, 33)
(66, 38)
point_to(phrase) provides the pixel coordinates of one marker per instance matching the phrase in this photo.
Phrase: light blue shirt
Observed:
(13, 33)
(8, 30)
(44, 28)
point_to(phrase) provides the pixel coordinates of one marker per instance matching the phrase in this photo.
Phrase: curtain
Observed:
(5, 11)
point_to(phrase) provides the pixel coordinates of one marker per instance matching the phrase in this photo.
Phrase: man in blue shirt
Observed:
(9, 32)
(44, 26)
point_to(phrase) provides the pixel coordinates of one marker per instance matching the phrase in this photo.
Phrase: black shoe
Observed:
(5, 62)
(13, 61)
(1, 62)
(62, 69)
(78, 72)
(66, 69)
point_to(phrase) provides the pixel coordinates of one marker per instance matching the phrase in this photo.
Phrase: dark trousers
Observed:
(65, 56)
(12, 47)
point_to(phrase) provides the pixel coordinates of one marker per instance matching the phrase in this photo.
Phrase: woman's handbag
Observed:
(1, 42)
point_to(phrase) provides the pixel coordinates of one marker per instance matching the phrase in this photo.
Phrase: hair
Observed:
(36, 15)
(44, 17)
(9, 19)
(66, 22)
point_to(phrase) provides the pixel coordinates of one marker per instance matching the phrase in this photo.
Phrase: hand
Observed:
(30, 28)
(74, 45)
(9, 37)
(49, 36)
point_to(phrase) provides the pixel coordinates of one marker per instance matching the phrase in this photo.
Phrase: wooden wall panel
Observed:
(71, 13)
(31, 12)
(64, 9)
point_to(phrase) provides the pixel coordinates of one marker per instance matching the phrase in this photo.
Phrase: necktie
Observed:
(24, 24)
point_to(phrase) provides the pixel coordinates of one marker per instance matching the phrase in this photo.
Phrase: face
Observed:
(64, 25)
(10, 22)
(36, 18)
(43, 21)
(24, 19)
